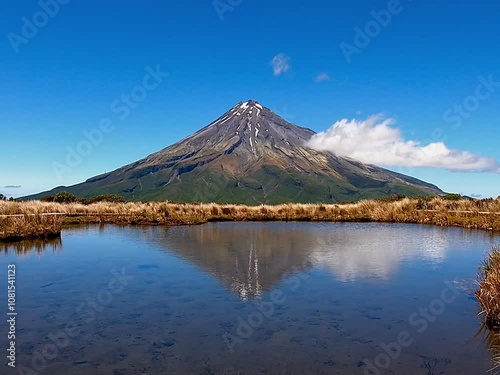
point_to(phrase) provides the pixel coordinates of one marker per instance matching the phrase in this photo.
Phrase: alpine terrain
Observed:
(249, 155)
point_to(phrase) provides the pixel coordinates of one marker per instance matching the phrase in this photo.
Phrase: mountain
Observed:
(249, 155)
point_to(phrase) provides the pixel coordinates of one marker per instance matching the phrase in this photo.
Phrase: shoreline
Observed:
(44, 220)
(488, 297)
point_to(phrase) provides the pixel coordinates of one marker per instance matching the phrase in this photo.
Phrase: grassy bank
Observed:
(37, 221)
(30, 227)
(488, 296)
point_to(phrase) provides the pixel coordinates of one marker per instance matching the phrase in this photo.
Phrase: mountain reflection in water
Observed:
(191, 286)
(251, 259)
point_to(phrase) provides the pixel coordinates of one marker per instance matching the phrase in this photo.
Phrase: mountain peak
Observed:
(250, 128)
(253, 103)
(249, 105)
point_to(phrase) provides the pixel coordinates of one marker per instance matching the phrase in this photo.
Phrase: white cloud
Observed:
(377, 141)
(322, 77)
(280, 64)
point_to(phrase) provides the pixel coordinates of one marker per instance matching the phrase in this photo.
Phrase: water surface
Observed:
(251, 298)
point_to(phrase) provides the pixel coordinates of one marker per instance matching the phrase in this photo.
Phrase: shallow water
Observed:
(250, 298)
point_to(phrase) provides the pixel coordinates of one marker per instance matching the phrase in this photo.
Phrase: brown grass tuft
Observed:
(30, 227)
(488, 294)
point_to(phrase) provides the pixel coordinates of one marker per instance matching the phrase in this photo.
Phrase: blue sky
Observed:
(61, 79)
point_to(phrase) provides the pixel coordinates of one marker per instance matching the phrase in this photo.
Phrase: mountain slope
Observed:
(249, 155)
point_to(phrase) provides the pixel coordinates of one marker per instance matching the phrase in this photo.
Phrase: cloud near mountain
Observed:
(376, 141)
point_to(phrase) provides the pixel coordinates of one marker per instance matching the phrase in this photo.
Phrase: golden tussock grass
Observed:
(483, 214)
(488, 296)
(30, 227)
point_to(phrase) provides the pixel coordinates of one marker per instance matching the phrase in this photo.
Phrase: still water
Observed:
(249, 298)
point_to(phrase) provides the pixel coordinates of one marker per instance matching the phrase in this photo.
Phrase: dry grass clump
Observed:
(483, 214)
(30, 227)
(488, 294)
